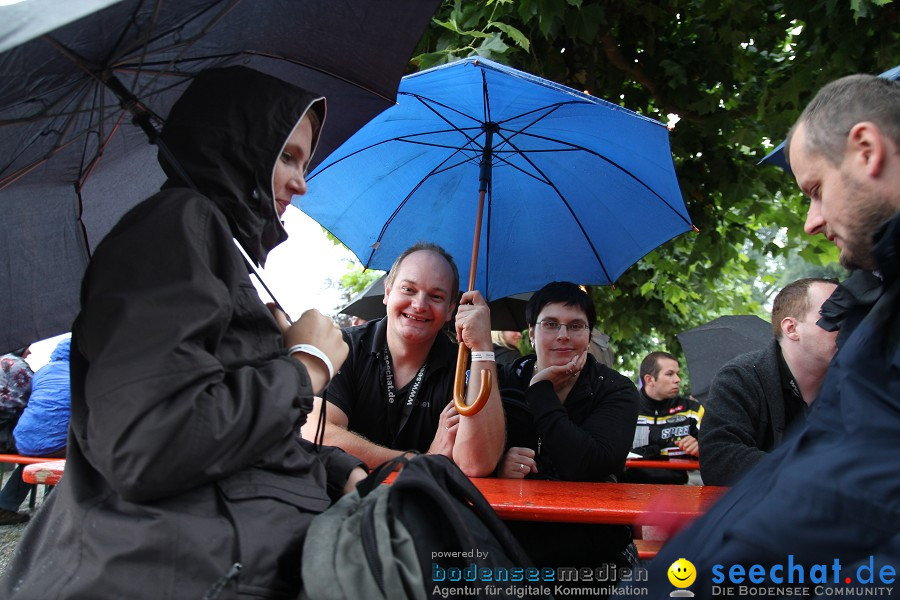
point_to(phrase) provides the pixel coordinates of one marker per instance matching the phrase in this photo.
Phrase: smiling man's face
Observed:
(419, 299)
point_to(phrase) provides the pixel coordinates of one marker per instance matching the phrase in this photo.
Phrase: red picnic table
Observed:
(583, 502)
(561, 501)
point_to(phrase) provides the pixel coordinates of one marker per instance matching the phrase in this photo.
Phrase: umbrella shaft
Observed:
(476, 241)
(487, 156)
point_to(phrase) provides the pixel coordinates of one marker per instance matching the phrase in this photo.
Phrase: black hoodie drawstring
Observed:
(215, 590)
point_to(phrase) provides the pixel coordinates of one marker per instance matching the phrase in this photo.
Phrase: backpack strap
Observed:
(380, 473)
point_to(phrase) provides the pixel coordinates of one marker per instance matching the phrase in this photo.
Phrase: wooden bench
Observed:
(648, 549)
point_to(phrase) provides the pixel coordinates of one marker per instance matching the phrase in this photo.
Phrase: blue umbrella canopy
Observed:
(776, 157)
(574, 187)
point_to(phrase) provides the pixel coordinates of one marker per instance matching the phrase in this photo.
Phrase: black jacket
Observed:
(744, 418)
(182, 457)
(584, 439)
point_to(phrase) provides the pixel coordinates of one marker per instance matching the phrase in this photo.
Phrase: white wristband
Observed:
(485, 356)
(313, 351)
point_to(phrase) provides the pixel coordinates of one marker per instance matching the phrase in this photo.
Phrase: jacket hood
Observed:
(226, 132)
(61, 352)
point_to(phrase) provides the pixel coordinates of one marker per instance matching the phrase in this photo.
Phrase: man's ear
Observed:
(866, 146)
(450, 313)
(789, 328)
(647, 379)
(387, 291)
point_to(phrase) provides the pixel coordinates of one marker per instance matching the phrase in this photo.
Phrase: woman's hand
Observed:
(562, 376)
(517, 463)
(281, 317)
(317, 330)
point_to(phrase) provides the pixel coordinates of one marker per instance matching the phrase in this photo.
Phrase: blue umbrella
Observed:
(776, 157)
(570, 187)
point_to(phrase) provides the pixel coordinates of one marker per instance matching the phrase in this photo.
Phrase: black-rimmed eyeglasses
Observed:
(573, 328)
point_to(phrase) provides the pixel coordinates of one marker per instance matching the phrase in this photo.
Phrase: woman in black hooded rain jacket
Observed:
(184, 476)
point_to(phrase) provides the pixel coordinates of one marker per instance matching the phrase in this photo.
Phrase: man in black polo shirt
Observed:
(760, 395)
(394, 392)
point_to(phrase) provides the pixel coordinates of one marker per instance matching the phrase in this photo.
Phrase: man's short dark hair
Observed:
(793, 301)
(650, 364)
(563, 292)
(454, 287)
(840, 105)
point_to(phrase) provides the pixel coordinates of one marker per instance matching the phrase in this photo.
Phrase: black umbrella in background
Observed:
(707, 348)
(507, 314)
(74, 75)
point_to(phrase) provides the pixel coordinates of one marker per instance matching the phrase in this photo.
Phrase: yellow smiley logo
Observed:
(682, 573)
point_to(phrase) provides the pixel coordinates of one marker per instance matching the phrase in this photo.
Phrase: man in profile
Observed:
(394, 393)
(760, 395)
(829, 495)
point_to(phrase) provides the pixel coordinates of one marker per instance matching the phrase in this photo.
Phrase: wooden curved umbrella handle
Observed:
(459, 385)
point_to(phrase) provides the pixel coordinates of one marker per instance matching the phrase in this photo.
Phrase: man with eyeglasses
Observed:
(668, 424)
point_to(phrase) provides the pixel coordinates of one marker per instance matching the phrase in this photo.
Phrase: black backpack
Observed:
(430, 533)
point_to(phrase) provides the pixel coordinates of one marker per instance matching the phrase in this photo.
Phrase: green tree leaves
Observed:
(736, 74)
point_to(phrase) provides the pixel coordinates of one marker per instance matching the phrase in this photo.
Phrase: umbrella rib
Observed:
(571, 212)
(125, 67)
(428, 102)
(147, 39)
(57, 147)
(186, 44)
(405, 139)
(86, 173)
(98, 91)
(485, 95)
(438, 168)
(143, 37)
(605, 159)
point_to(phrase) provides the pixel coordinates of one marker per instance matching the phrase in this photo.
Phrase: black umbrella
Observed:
(72, 81)
(507, 314)
(707, 348)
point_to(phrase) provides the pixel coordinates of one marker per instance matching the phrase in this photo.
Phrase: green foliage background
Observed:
(736, 73)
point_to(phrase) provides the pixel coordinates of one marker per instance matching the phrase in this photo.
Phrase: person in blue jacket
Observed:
(42, 428)
(819, 515)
